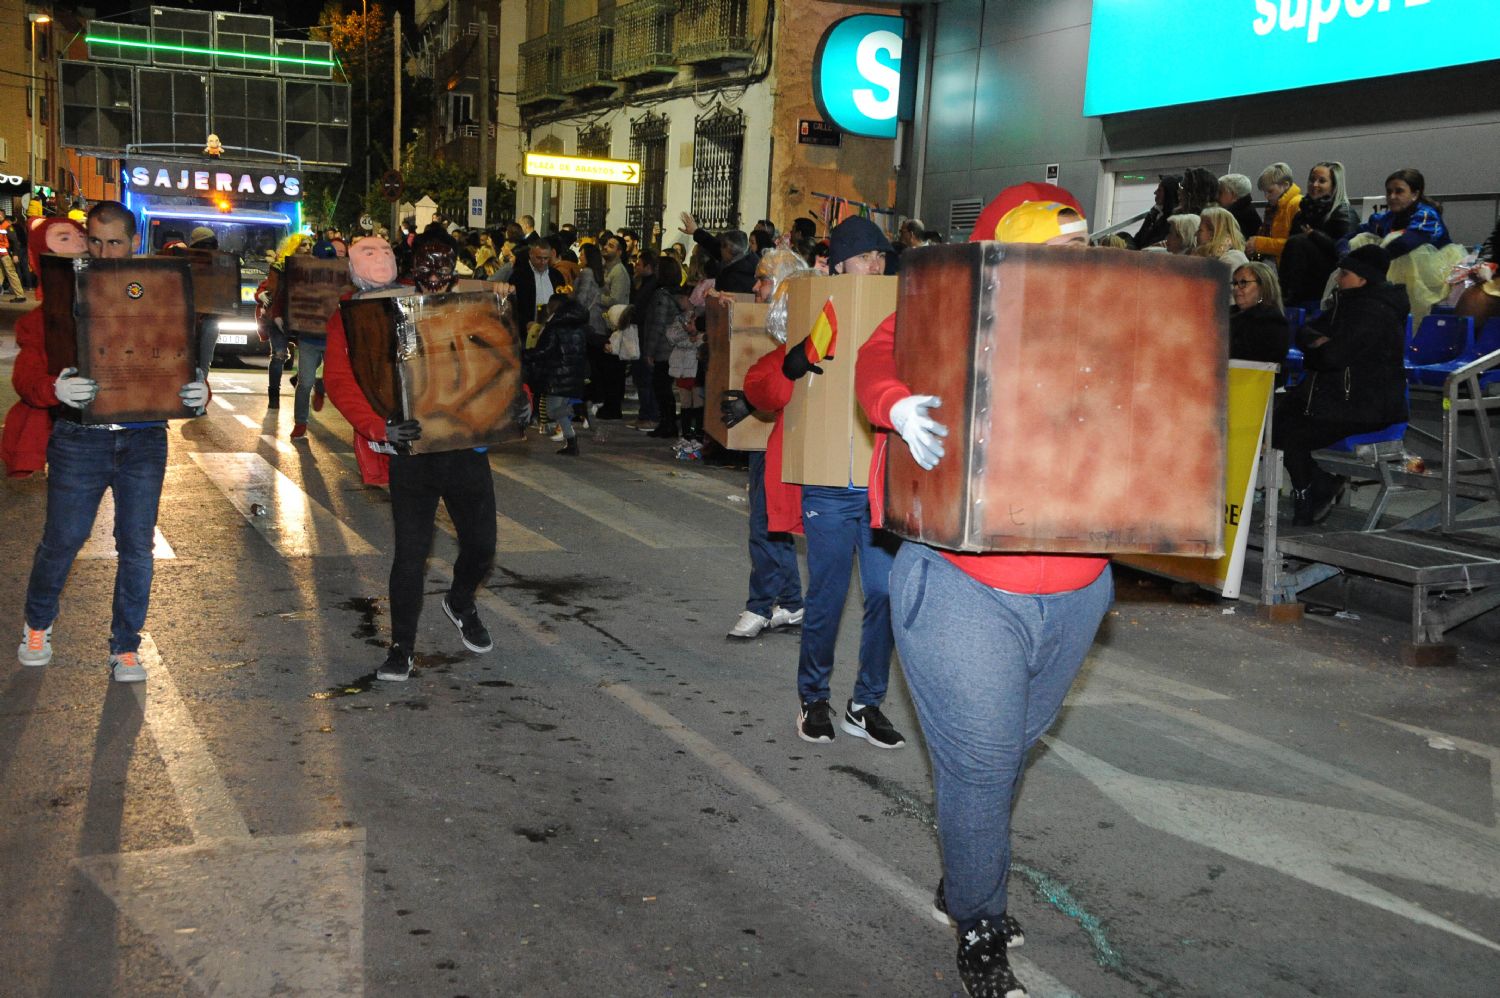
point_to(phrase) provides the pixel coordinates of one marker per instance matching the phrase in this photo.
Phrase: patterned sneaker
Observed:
(748, 626)
(1014, 934)
(782, 617)
(127, 668)
(869, 723)
(983, 964)
(36, 646)
(397, 666)
(815, 722)
(470, 627)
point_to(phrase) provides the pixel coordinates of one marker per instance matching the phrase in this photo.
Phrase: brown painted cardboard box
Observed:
(737, 338)
(313, 287)
(1084, 393)
(827, 439)
(450, 361)
(216, 281)
(127, 324)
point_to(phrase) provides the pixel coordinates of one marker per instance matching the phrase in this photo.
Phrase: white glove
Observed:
(921, 432)
(74, 391)
(194, 394)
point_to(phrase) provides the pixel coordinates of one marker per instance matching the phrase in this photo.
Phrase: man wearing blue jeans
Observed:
(84, 460)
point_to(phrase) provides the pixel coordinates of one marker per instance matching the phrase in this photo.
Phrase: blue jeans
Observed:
(83, 463)
(775, 579)
(560, 411)
(988, 671)
(837, 524)
(640, 372)
(309, 359)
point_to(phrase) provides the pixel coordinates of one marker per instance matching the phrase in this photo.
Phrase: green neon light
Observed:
(194, 50)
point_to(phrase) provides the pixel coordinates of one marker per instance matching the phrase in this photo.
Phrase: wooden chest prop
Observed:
(216, 281)
(127, 324)
(737, 338)
(313, 287)
(1084, 394)
(450, 361)
(827, 439)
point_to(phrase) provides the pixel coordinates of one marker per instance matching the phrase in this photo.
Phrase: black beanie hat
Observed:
(1369, 262)
(852, 237)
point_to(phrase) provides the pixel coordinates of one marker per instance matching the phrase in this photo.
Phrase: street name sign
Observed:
(606, 171)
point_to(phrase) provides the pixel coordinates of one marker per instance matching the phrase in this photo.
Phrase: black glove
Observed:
(734, 408)
(403, 432)
(797, 363)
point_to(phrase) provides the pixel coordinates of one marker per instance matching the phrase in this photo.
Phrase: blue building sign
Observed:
(857, 74)
(1260, 46)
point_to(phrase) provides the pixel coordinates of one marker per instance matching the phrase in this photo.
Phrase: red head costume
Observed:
(59, 236)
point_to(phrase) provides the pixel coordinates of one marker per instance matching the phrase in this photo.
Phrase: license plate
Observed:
(234, 339)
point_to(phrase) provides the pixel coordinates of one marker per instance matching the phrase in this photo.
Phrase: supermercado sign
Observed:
(207, 180)
(1259, 46)
(857, 74)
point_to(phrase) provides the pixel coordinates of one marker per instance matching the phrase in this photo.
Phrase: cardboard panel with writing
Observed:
(313, 287)
(737, 338)
(216, 281)
(827, 439)
(450, 361)
(127, 324)
(1084, 394)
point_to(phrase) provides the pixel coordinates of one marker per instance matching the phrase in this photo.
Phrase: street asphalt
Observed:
(614, 801)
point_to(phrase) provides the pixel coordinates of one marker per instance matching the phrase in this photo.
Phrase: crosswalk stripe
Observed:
(246, 421)
(693, 483)
(573, 492)
(292, 522)
(279, 445)
(101, 542)
(229, 386)
(223, 403)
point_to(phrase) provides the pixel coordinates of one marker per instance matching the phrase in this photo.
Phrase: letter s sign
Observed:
(857, 74)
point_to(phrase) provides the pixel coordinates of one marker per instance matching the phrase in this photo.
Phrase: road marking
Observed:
(853, 855)
(229, 386)
(1480, 749)
(695, 484)
(246, 421)
(605, 508)
(510, 536)
(223, 403)
(101, 542)
(1133, 678)
(237, 915)
(279, 445)
(292, 522)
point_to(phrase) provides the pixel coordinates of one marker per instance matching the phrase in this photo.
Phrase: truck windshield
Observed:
(252, 241)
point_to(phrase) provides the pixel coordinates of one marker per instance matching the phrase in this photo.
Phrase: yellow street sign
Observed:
(607, 171)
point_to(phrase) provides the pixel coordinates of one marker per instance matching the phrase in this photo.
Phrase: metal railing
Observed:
(643, 39)
(541, 70)
(587, 55)
(709, 30)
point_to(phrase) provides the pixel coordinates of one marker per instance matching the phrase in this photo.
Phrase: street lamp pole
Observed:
(33, 18)
(364, 30)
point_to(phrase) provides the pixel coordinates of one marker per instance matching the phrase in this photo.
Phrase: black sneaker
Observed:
(983, 964)
(870, 724)
(397, 665)
(815, 722)
(476, 636)
(1014, 934)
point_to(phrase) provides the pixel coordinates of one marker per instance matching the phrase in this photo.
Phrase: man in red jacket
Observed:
(989, 643)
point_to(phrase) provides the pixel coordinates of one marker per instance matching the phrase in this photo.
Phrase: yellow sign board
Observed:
(604, 171)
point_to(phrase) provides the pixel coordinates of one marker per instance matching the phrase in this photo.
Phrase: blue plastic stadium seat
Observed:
(1448, 332)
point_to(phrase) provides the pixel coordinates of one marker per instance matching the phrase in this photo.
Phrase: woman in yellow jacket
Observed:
(1283, 199)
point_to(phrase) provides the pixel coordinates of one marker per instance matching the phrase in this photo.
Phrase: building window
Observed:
(591, 201)
(461, 115)
(718, 149)
(648, 146)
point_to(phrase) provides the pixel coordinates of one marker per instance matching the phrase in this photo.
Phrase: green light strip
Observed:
(193, 50)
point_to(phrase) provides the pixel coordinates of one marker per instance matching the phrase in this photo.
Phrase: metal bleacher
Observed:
(1443, 550)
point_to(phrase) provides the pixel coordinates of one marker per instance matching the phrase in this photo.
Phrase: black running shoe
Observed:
(397, 665)
(870, 724)
(983, 964)
(815, 722)
(476, 636)
(1014, 934)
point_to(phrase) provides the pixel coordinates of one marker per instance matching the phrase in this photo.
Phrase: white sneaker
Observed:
(36, 646)
(557, 437)
(782, 617)
(127, 667)
(748, 626)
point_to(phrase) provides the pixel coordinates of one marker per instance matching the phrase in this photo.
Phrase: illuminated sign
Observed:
(606, 171)
(196, 50)
(209, 180)
(857, 74)
(1269, 45)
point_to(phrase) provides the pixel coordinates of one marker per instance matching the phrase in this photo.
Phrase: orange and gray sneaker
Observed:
(36, 646)
(127, 667)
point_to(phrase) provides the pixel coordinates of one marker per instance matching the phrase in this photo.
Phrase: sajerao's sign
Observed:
(1261, 46)
(208, 179)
